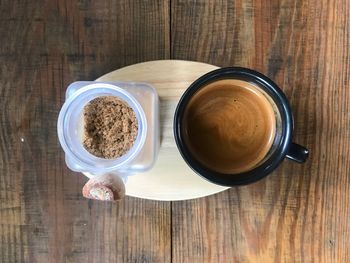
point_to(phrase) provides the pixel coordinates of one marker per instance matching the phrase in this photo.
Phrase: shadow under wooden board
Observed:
(170, 178)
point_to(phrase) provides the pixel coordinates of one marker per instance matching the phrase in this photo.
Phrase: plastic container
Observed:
(142, 98)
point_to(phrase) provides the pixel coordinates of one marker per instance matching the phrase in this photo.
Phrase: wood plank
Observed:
(300, 213)
(45, 46)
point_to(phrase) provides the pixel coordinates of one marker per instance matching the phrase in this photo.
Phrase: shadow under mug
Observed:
(282, 147)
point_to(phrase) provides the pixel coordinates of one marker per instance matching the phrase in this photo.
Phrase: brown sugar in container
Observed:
(143, 100)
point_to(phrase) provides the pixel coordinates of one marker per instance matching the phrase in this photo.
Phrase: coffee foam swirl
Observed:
(229, 126)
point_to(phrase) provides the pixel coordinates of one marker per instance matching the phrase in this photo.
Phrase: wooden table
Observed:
(301, 213)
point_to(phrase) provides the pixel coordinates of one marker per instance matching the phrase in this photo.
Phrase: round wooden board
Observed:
(170, 179)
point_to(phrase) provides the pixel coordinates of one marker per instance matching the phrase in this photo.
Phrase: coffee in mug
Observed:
(230, 125)
(234, 126)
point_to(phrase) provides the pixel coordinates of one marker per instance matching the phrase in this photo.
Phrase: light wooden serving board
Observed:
(170, 179)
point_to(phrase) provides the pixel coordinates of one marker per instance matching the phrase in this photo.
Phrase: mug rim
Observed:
(267, 166)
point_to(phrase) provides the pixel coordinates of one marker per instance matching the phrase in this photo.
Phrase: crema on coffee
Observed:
(229, 126)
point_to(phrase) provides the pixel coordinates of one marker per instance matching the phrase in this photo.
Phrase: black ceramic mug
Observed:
(282, 146)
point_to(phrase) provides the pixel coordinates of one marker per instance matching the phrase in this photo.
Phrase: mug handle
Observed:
(297, 153)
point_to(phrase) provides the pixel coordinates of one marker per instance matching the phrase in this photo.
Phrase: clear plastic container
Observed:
(142, 98)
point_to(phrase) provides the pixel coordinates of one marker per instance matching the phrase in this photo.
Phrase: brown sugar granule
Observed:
(110, 128)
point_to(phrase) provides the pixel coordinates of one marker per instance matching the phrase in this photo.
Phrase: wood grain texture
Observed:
(298, 214)
(301, 212)
(45, 46)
